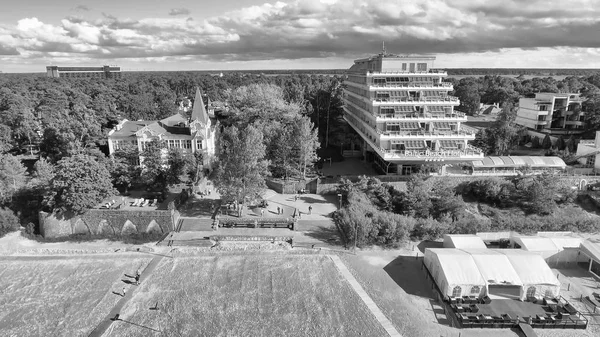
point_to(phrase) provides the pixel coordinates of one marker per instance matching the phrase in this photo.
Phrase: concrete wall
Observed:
(107, 222)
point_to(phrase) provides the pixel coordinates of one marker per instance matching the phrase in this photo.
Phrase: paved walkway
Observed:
(387, 325)
(106, 323)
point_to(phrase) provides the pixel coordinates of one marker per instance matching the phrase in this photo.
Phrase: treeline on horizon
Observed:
(542, 72)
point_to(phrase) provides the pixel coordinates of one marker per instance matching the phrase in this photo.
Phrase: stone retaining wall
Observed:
(102, 222)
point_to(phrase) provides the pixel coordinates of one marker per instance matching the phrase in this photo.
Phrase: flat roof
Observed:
(519, 161)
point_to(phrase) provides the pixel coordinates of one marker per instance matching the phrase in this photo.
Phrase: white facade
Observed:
(401, 109)
(552, 113)
(588, 153)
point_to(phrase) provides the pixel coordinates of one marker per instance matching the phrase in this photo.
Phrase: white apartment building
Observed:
(552, 113)
(402, 111)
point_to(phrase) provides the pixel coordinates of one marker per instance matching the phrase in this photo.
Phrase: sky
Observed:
(159, 35)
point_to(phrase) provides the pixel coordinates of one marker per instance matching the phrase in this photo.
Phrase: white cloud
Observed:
(303, 29)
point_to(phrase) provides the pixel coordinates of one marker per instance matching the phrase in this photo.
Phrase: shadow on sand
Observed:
(407, 273)
(326, 234)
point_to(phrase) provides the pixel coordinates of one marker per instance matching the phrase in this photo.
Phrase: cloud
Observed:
(308, 29)
(179, 11)
(6, 50)
(81, 8)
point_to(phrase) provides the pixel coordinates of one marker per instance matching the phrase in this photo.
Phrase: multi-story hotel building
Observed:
(401, 109)
(83, 72)
(552, 113)
(194, 134)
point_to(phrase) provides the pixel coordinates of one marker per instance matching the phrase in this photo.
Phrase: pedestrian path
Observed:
(106, 323)
(387, 325)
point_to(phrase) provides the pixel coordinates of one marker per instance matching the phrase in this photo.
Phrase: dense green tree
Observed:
(12, 176)
(79, 184)
(241, 168)
(306, 143)
(467, 91)
(5, 138)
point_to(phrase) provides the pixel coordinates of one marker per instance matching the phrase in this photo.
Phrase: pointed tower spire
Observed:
(383, 47)
(199, 111)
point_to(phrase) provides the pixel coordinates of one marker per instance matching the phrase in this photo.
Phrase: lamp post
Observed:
(355, 235)
(340, 196)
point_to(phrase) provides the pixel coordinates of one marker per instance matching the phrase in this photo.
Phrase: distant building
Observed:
(83, 72)
(177, 132)
(402, 111)
(552, 113)
(588, 153)
(489, 109)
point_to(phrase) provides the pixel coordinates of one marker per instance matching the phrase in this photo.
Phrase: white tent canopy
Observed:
(463, 241)
(533, 272)
(454, 271)
(495, 267)
(509, 273)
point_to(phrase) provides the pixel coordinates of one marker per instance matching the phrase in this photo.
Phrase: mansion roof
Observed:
(176, 125)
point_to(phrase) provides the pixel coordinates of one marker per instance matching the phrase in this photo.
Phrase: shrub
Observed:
(9, 222)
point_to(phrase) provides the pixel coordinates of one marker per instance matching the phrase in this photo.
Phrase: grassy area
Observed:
(53, 296)
(252, 295)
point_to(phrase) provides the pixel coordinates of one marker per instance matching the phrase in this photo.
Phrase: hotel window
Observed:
(543, 108)
(199, 144)
(379, 81)
(475, 290)
(422, 66)
(392, 127)
(383, 94)
(187, 144)
(404, 66)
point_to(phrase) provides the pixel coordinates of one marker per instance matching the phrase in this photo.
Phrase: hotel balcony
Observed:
(424, 117)
(469, 153)
(425, 134)
(444, 85)
(448, 100)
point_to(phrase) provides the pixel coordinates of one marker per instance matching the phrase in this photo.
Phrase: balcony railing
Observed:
(417, 116)
(413, 100)
(426, 134)
(445, 85)
(407, 72)
(470, 153)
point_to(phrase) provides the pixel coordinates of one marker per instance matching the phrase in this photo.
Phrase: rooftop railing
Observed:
(445, 85)
(425, 153)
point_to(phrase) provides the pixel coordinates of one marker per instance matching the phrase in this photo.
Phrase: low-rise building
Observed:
(191, 135)
(552, 113)
(83, 72)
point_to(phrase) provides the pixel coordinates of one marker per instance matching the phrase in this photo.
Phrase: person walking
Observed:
(137, 279)
(296, 197)
(278, 210)
(124, 292)
(262, 212)
(309, 209)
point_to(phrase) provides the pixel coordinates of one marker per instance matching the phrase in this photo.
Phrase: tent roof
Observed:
(495, 267)
(520, 161)
(465, 241)
(531, 267)
(536, 244)
(566, 242)
(458, 266)
(591, 248)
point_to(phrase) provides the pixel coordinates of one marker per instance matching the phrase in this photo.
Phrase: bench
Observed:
(595, 302)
